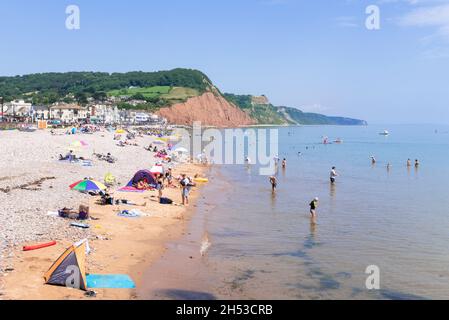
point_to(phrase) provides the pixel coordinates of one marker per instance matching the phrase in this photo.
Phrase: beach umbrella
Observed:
(88, 185)
(157, 169)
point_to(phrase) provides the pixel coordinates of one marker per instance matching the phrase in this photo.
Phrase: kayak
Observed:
(201, 180)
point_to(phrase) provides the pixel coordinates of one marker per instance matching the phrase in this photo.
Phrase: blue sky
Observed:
(316, 55)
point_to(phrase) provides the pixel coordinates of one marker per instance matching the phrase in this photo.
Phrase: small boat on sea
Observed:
(384, 133)
(338, 141)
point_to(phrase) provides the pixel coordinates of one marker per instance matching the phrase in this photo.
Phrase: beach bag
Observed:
(165, 201)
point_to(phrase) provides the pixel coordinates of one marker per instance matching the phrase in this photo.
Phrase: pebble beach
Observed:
(33, 183)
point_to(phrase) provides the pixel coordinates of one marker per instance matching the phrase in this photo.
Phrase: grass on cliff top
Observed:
(164, 92)
(148, 92)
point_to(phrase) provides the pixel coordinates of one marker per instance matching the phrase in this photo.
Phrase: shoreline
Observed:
(183, 271)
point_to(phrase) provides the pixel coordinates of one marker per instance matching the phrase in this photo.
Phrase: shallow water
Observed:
(264, 247)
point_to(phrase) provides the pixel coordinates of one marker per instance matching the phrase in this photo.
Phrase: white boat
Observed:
(385, 133)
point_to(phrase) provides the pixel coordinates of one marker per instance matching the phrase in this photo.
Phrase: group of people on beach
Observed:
(166, 180)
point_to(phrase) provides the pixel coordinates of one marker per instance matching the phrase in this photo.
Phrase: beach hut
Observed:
(69, 270)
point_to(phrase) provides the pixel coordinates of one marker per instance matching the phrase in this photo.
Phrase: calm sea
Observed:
(264, 247)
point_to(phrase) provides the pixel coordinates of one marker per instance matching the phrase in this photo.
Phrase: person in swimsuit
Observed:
(313, 206)
(274, 183)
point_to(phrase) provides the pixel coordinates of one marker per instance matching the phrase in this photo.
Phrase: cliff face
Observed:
(211, 109)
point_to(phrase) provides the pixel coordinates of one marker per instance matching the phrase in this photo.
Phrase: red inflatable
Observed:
(39, 246)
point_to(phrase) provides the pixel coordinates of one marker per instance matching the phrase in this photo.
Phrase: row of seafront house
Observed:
(99, 113)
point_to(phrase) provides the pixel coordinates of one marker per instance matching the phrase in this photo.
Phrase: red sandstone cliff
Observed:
(211, 109)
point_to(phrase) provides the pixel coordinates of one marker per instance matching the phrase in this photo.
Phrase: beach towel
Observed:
(130, 213)
(87, 163)
(130, 189)
(80, 225)
(109, 281)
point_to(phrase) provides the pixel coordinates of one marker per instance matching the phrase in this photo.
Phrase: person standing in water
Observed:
(409, 163)
(416, 163)
(313, 206)
(274, 183)
(373, 160)
(333, 175)
(284, 163)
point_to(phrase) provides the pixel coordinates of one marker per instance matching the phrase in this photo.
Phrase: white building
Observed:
(104, 113)
(18, 108)
(68, 113)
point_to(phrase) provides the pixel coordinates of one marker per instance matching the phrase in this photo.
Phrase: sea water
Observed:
(263, 245)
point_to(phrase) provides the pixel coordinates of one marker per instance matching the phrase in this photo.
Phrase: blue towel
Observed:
(109, 281)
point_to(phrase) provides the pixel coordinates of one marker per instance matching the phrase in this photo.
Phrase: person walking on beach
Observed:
(313, 206)
(274, 183)
(186, 185)
(333, 175)
(169, 177)
(160, 186)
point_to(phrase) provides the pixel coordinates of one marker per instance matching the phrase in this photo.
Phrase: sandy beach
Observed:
(33, 182)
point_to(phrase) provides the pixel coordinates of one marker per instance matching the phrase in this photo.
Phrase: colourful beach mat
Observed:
(130, 189)
(109, 281)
